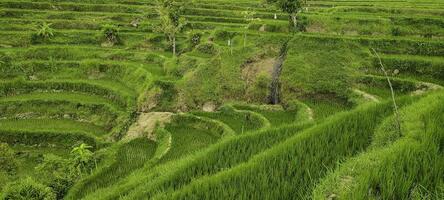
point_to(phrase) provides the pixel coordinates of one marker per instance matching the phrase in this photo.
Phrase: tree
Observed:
(82, 157)
(249, 17)
(27, 189)
(170, 21)
(292, 7)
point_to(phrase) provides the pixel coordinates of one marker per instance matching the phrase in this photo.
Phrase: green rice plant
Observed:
(48, 138)
(217, 158)
(311, 67)
(407, 167)
(241, 122)
(297, 163)
(53, 125)
(190, 134)
(294, 112)
(98, 114)
(127, 157)
(104, 89)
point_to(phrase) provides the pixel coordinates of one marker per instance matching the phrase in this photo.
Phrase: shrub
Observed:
(110, 35)
(28, 189)
(194, 38)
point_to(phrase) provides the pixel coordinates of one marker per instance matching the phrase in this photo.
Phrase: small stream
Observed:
(275, 85)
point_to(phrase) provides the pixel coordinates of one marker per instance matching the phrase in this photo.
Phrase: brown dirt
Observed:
(145, 124)
(250, 71)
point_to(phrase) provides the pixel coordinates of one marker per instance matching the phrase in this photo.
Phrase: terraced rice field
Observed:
(97, 103)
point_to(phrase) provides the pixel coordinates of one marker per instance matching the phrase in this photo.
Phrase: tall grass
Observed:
(217, 158)
(291, 169)
(128, 157)
(409, 167)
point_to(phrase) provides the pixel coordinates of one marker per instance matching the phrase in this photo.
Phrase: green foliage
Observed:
(60, 173)
(194, 38)
(110, 34)
(290, 6)
(45, 31)
(8, 163)
(27, 189)
(170, 20)
(82, 157)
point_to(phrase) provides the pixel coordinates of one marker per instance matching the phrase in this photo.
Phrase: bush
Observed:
(28, 189)
(194, 38)
(110, 35)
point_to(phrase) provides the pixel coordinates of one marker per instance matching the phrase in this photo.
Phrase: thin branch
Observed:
(395, 106)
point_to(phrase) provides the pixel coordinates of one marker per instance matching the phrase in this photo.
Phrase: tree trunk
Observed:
(174, 46)
(245, 39)
(294, 20)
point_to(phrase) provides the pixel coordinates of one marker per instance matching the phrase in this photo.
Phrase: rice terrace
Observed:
(222, 99)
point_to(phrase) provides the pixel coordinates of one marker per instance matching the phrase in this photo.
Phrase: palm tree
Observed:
(45, 31)
(82, 156)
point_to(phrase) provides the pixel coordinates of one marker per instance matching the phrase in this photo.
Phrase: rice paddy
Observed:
(221, 99)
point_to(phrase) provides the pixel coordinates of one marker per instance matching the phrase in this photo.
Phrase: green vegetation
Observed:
(221, 99)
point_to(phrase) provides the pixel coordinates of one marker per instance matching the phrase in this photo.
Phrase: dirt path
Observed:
(145, 124)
